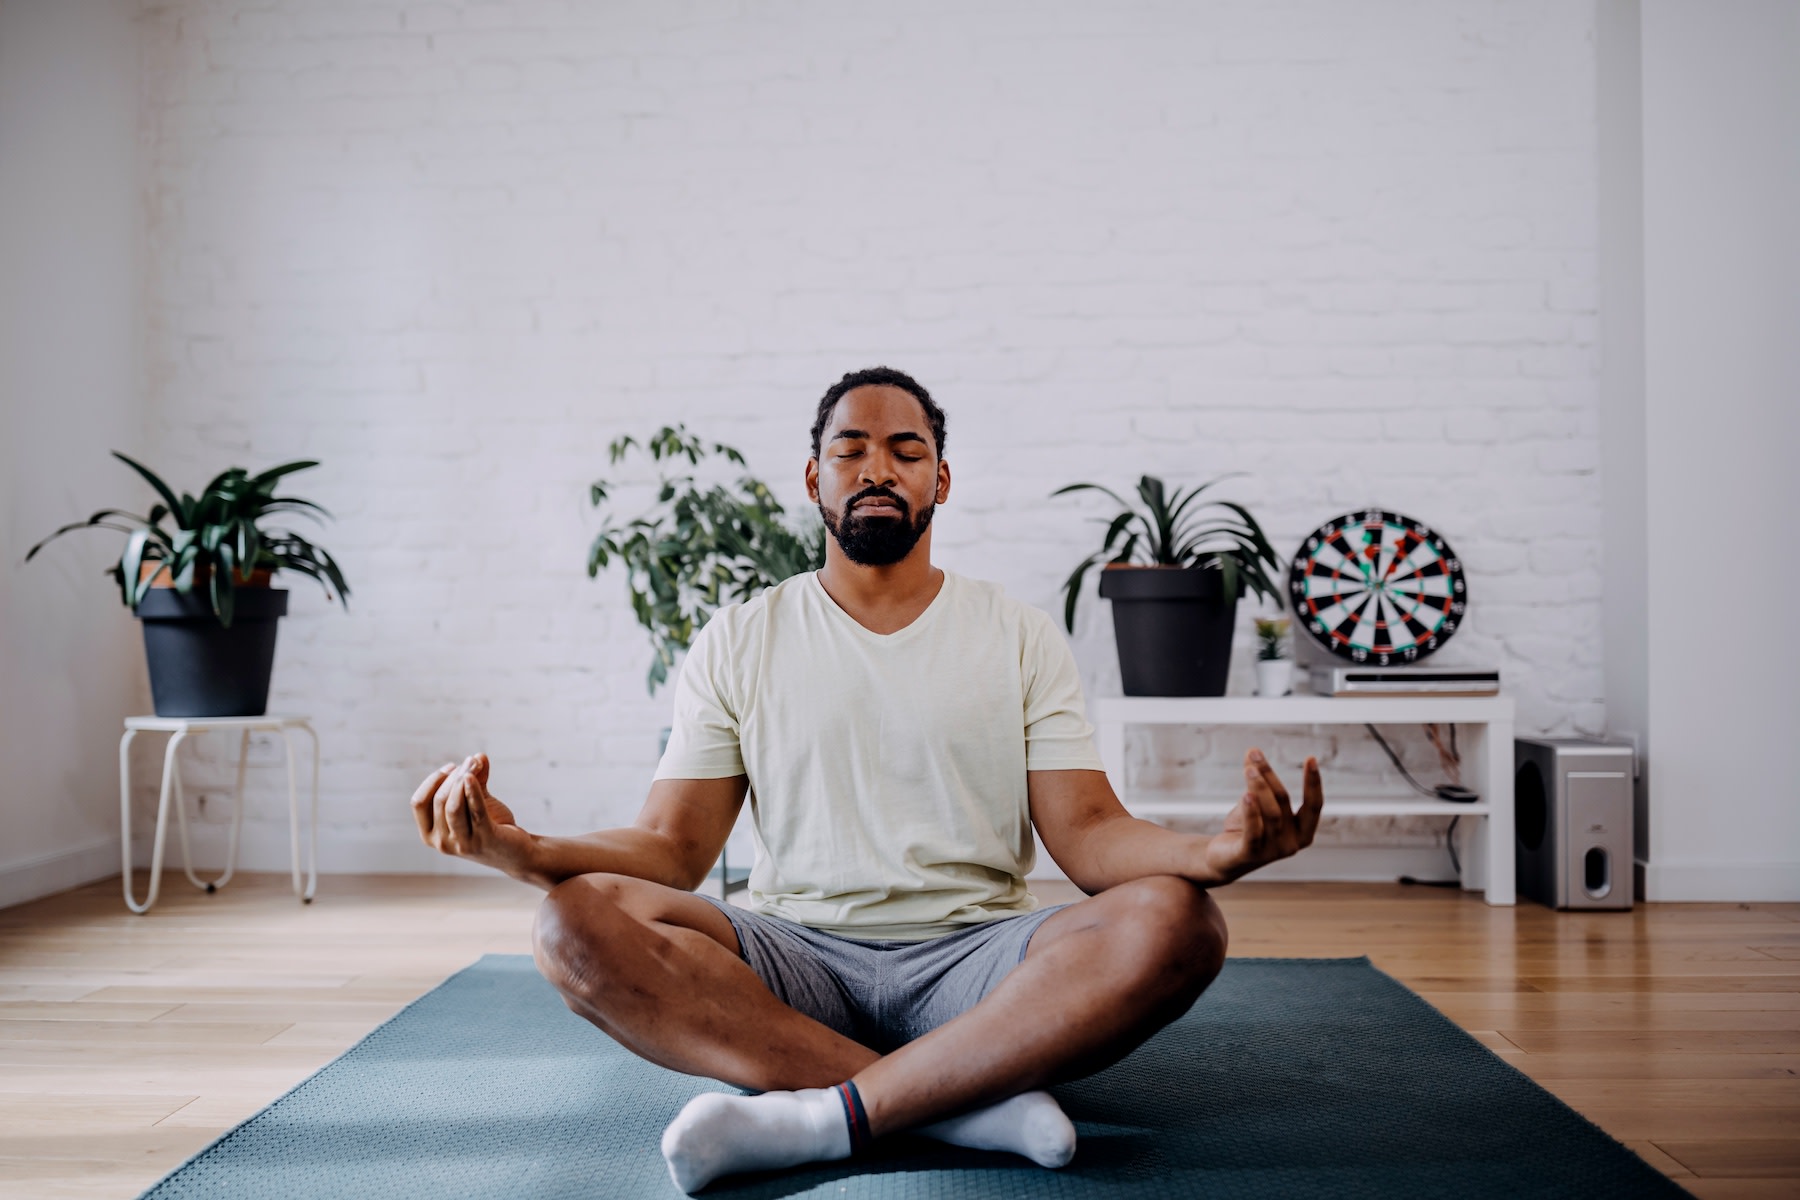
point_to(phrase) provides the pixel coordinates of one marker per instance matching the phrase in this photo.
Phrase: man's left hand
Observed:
(1265, 827)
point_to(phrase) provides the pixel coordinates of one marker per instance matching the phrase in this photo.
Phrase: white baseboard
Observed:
(1340, 864)
(58, 871)
(1743, 882)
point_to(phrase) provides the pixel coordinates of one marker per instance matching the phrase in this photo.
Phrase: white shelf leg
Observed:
(162, 829)
(1471, 834)
(125, 815)
(312, 835)
(1470, 840)
(181, 833)
(237, 813)
(237, 824)
(303, 891)
(1497, 790)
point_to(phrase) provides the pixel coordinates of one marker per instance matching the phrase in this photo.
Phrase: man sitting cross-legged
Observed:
(900, 731)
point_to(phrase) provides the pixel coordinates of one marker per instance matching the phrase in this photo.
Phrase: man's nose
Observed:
(878, 470)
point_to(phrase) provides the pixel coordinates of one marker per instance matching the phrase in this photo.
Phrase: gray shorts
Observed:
(879, 993)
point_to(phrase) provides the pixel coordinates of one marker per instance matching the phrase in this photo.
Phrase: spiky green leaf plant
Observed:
(1162, 528)
(219, 536)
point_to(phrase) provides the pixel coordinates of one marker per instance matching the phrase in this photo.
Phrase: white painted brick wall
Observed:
(453, 249)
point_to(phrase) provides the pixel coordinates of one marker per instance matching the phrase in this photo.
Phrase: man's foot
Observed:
(718, 1134)
(1031, 1123)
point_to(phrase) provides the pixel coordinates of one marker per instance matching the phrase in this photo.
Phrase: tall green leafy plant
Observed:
(1163, 528)
(218, 537)
(699, 546)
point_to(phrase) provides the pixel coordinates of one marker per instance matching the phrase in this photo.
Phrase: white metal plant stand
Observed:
(179, 728)
(1486, 842)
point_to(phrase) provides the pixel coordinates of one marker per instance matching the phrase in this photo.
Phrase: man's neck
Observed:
(882, 599)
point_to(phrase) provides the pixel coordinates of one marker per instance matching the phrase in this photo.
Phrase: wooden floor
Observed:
(127, 1043)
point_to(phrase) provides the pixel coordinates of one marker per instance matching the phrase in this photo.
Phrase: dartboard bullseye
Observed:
(1377, 587)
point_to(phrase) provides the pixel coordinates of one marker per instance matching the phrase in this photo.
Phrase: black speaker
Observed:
(1572, 817)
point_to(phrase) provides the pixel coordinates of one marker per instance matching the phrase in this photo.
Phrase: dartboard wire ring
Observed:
(1350, 594)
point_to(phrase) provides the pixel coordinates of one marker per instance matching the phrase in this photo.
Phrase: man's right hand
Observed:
(458, 816)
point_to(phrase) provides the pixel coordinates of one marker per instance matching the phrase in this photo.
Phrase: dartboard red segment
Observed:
(1378, 587)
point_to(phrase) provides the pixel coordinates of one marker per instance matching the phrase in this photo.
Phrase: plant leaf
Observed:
(97, 521)
(129, 563)
(153, 479)
(1264, 550)
(293, 504)
(1115, 529)
(288, 468)
(223, 587)
(1072, 591)
(1093, 487)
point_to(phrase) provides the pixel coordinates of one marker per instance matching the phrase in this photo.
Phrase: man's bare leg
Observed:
(1100, 978)
(658, 971)
(674, 990)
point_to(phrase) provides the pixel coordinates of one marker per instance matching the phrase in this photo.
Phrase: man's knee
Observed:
(1176, 934)
(574, 922)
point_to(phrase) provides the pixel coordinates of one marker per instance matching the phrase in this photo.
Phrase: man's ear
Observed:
(943, 481)
(812, 479)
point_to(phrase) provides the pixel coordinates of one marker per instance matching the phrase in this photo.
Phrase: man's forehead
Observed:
(880, 409)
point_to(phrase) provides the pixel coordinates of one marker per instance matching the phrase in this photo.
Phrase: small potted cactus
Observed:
(1274, 669)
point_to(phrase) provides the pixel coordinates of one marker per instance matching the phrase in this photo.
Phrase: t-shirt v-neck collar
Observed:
(937, 603)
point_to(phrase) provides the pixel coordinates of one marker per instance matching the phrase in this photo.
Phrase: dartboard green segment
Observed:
(1377, 587)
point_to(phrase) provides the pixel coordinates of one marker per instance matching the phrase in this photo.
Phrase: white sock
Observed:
(1031, 1123)
(718, 1134)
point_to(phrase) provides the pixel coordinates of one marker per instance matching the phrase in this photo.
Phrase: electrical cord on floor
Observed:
(1444, 791)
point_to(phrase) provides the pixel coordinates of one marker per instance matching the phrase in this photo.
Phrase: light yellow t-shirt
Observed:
(887, 771)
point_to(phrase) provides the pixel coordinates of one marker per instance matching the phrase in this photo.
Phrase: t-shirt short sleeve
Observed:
(1057, 734)
(703, 737)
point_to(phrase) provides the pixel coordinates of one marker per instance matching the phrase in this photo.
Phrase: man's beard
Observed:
(877, 541)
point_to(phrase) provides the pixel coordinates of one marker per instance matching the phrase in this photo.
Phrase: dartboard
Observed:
(1377, 587)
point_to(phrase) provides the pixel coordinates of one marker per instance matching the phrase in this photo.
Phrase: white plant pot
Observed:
(1274, 676)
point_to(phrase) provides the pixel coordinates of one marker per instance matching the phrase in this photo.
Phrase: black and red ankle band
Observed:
(855, 1115)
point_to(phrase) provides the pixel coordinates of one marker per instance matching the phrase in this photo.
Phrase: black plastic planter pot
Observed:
(1173, 626)
(199, 668)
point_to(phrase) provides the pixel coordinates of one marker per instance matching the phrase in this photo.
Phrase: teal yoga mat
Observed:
(1290, 1078)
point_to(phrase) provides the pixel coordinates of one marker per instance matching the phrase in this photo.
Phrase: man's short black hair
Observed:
(876, 376)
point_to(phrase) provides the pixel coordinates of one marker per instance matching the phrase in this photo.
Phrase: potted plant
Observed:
(1274, 669)
(698, 546)
(202, 589)
(1174, 575)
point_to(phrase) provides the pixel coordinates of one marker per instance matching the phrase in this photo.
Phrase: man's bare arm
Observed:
(1099, 845)
(674, 841)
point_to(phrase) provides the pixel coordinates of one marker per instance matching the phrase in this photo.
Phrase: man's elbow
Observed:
(689, 864)
(1081, 857)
